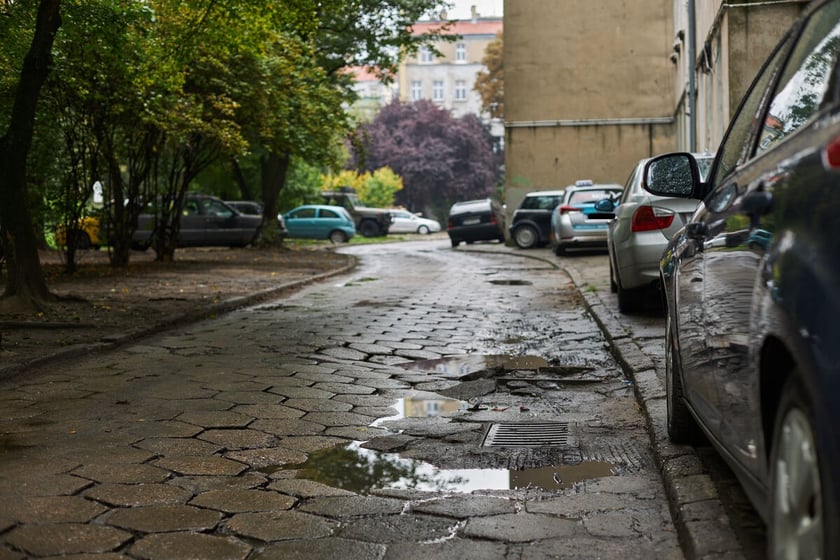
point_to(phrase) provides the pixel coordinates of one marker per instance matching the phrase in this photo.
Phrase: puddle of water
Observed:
(362, 470)
(470, 363)
(423, 405)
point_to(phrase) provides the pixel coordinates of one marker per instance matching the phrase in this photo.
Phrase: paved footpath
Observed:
(239, 437)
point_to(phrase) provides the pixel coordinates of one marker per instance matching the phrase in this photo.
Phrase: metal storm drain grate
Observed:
(534, 434)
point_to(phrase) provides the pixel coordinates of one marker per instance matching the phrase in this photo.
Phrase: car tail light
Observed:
(493, 219)
(565, 209)
(831, 156)
(650, 218)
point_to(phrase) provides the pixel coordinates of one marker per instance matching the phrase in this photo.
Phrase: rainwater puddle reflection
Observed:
(354, 468)
(360, 470)
(470, 363)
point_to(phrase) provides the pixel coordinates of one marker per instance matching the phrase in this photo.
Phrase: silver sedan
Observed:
(575, 223)
(637, 236)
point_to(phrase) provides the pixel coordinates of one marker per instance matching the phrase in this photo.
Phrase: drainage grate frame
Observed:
(530, 434)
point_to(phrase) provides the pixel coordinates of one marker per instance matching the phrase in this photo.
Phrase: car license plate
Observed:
(471, 221)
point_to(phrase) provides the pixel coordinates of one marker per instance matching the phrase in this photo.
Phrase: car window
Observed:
(632, 181)
(803, 85)
(216, 208)
(303, 213)
(735, 144)
(540, 202)
(327, 213)
(190, 208)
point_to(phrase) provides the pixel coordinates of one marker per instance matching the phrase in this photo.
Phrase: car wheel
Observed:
(423, 230)
(525, 237)
(798, 510)
(369, 228)
(682, 427)
(338, 236)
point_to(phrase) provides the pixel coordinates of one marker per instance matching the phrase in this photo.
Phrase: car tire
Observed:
(799, 510)
(337, 236)
(682, 427)
(526, 237)
(369, 228)
(423, 230)
(630, 301)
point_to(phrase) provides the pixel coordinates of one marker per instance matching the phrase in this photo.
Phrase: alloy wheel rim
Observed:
(797, 503)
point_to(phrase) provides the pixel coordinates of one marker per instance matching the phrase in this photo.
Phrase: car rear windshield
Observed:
(540, 202)
(591, 196)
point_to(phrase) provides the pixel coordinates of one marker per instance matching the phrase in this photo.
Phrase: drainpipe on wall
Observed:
(692, 95)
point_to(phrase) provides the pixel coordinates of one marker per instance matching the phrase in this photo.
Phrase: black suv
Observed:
(476, 220)
(532, 220)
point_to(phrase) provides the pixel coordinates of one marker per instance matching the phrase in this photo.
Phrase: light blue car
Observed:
(317, 221)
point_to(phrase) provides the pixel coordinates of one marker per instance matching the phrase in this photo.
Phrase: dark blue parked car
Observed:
(752, 284)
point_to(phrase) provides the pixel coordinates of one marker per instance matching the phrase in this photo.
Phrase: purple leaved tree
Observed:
(441, 159)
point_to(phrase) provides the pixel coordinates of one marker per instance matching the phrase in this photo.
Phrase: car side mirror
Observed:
(675, 175)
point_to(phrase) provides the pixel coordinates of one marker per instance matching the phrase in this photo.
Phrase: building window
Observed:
(426, 55)
(437, 90)
(460, 90)
(461, 52)
(416, 90)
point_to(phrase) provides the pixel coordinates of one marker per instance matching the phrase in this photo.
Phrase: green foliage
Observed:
(303, 184)
(379, 188)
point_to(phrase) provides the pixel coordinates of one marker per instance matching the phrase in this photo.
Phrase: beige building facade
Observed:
(724, 44)
(588, 90)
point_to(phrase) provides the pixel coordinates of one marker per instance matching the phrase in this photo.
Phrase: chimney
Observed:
(473, 12)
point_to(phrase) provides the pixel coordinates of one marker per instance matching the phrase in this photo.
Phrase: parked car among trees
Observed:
(752, 338)
(314, 221)
(205, 221)
(407, 222)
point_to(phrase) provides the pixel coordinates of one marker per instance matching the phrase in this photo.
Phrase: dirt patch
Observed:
(101, 305)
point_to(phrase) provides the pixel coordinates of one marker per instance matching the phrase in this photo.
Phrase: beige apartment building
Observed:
(447, 79)
(593, 86)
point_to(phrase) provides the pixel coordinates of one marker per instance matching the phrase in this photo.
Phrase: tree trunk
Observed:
(274, 168)
(25, 277)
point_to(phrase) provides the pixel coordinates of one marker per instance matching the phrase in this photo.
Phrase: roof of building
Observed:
(462, 27)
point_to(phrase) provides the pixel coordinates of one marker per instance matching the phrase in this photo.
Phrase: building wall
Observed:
(733, 41)
(588, 90)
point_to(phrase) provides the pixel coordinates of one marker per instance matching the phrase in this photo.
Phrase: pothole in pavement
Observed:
(511, 282)
(456, 439)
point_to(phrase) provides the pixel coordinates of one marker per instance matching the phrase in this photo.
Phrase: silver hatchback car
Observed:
(637, 236)
(575, 223)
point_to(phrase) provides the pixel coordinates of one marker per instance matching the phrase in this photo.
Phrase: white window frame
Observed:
(437, 90)
(425, 55)
(461, 52)
(416, 90)
(460, 90)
